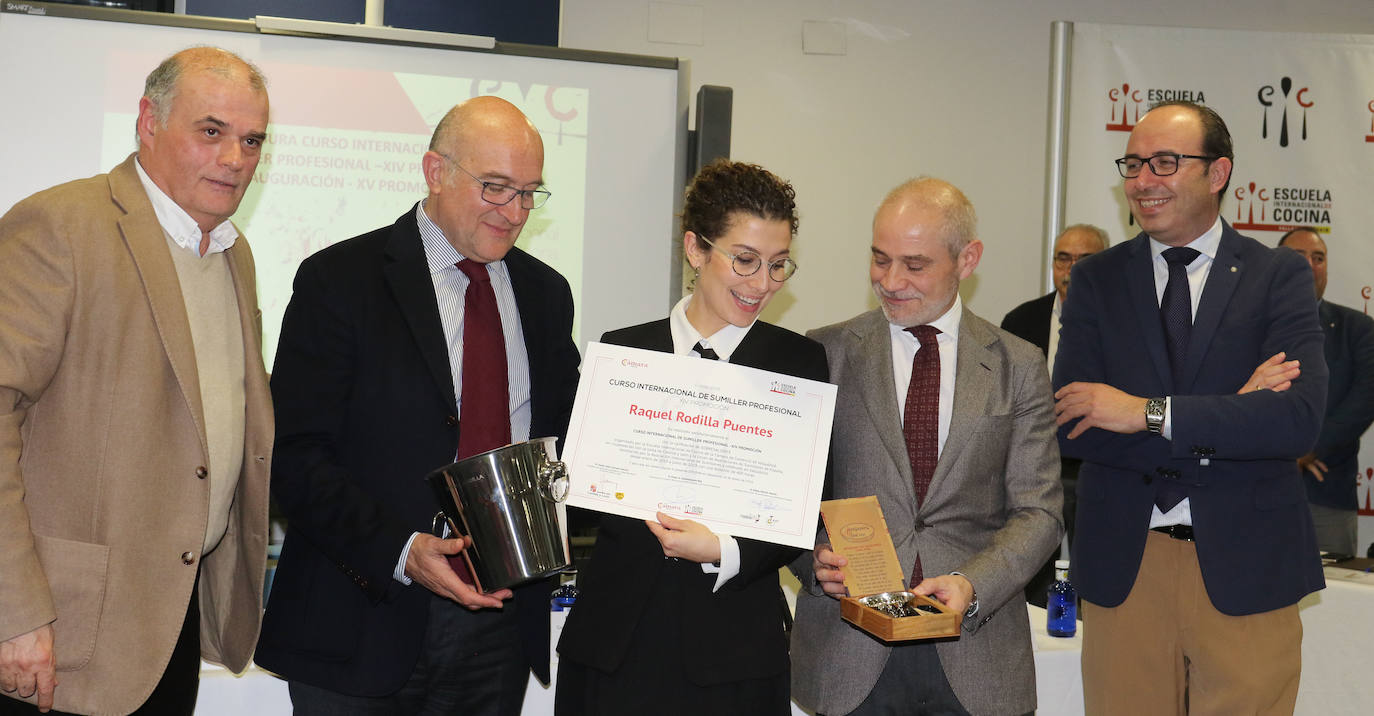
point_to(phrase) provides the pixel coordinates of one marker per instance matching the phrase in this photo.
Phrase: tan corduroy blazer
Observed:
(103, 489)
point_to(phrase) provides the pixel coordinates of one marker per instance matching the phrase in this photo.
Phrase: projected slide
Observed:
(343, 157)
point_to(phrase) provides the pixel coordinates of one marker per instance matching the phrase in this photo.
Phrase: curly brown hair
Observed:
(724, 188)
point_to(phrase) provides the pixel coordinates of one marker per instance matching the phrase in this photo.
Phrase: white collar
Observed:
(1207, 244)
(179, 225)
(685, 336)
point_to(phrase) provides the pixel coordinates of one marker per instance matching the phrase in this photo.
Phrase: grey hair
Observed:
(1094, 230)
(160, 88)
(959, 225)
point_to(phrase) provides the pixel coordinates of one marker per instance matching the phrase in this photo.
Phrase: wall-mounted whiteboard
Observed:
(349, 122)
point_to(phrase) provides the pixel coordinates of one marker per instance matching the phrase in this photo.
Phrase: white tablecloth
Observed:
(1338, 643)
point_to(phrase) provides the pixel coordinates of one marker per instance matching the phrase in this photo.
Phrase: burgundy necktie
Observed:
(484, 420)
(921, 418)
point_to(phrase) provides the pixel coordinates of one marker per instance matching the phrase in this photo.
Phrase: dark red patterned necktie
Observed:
(921, 418)
(484, 415)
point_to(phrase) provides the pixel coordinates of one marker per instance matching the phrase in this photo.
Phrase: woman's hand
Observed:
(685, 539)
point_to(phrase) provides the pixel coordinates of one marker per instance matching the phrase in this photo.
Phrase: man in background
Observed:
(1331, 468)
(969, 488)
(1194, 541)
(135, 421)
(1037, 321)
(401, 349)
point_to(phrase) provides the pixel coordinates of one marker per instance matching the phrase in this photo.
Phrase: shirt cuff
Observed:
(1166, 430)
(729, 562)
(399, 574)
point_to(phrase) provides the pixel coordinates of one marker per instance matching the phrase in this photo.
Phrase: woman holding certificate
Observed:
(673, 618)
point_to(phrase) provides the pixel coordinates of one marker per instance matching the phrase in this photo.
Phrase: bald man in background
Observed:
(135, 421)
(1330, 470)
(373, 390)
(1037, 321)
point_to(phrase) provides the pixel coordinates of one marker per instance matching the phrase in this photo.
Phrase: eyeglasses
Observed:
(1063, 259)
(500, 194)
(747, 263)
(1161, 165)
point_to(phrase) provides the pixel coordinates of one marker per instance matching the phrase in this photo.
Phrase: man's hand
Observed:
(1099, 406)
(427, 563)
(685, 539)
(27, 665)
(953, 590)
(1310, 463)
(826, 565)
(1275, 374)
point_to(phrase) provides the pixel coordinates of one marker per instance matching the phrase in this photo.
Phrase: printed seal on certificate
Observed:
(880, 606)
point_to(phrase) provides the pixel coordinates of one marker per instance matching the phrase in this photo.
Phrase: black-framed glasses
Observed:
(747, 263)
(1064, 259)
(501, 194)
(1161, 165)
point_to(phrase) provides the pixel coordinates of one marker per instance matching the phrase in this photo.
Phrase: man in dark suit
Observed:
(1037, 321)
(375, 386)
(1194, 539)
(948, 420)
(1331, 468)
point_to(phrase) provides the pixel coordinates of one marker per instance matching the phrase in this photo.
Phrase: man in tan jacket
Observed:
(135, 421)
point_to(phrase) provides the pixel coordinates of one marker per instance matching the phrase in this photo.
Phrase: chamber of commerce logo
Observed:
(1128, 104)
(1282, 209)
(1266, 98)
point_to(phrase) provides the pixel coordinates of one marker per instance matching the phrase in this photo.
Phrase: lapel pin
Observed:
(1233, 269)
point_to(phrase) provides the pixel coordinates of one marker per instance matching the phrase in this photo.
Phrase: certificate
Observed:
(738, 449)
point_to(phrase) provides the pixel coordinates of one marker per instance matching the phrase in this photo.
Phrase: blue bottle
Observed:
(564, 597)
(1062, 603)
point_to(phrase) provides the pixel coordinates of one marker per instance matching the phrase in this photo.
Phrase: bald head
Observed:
(160, 88)
(484, 120)
(957, 223)
(484, 147)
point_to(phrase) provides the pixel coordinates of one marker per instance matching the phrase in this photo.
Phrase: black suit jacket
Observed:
(1234, 453)
(732, 635)
(365, 410)
(1349, 351)
(1030, 321)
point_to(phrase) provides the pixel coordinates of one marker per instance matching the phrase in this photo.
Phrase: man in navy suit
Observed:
(1194, 539)
(373, 391)
(1330, 469)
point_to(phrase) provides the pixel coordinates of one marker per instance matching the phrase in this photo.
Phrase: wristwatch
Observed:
(1154, 415)
(973, 605)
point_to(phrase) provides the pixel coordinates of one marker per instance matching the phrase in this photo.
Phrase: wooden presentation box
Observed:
(859, 533)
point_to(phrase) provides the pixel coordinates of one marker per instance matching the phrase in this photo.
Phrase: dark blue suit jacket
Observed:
(1349, 406)
(365, 410)
(1234, 453)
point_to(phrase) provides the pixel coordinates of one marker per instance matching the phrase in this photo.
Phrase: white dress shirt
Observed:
(450, 290)
(179, 225)
(1206, 245)
(904, 346)
(723, 342)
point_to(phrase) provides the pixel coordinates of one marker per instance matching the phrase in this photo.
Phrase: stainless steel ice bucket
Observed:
(506, 500)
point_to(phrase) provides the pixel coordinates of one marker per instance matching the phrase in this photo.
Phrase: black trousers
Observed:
(175, 693)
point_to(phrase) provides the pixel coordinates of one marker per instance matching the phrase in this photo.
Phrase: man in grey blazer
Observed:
(990, 513)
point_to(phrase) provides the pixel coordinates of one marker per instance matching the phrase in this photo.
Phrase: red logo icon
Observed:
(1129, 101)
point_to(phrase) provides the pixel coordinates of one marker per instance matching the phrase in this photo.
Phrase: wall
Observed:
(951, 88)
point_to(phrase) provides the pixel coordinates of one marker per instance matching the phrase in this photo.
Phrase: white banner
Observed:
(1300, 108)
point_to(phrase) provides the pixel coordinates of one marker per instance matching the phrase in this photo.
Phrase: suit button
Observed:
(451, 420)
(920, 525)
(188, 558)
(202, 473)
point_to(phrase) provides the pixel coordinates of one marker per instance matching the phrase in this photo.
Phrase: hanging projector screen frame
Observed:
(614, 129)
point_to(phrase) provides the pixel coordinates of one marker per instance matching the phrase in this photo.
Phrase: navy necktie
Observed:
(921, 419)
(1176, 308)
(1176, 313)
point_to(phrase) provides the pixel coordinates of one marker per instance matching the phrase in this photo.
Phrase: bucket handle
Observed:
(553, 481)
